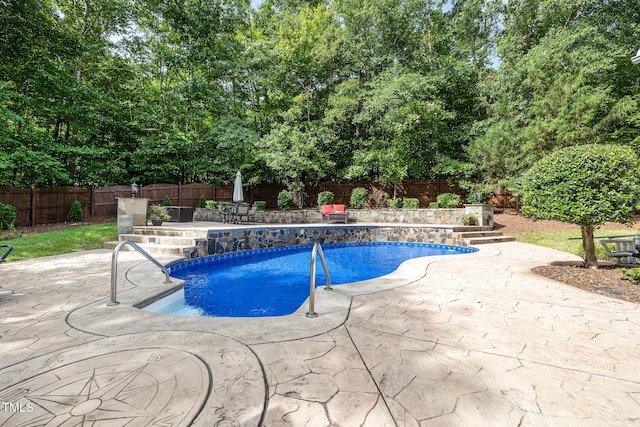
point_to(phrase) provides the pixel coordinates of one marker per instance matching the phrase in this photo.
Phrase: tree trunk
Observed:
(589, 246)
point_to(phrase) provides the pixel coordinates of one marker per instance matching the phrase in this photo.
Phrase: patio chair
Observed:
(229, 212)
(251, 215)
(242, 213)
(334, 213)
(622, 251)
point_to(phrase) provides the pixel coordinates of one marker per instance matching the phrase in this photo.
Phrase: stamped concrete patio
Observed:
(467, 340)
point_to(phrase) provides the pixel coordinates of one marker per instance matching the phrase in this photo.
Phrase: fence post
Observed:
(92, 202)
(33, 206)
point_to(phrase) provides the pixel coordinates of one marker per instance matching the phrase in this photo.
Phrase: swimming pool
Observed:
(275, 281)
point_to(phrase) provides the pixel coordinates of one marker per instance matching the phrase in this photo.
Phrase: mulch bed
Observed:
(606, 280)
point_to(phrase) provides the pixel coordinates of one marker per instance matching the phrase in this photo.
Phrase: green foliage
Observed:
(564, 81)
(284, 200)
(484, 189)
(448, 200)
(7, 216)
(325, 198)
(394, 202)
(586, 185)
(260, 204)
(358, 198)
(166, 201)
(158, 213)
(75, 212)
(410, 203)
(633, 274)
(97, 93)
(469, 219)
(434, 205)
(202, 202)
(211, 204)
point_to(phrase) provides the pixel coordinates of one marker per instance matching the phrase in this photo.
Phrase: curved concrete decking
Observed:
(467, 340)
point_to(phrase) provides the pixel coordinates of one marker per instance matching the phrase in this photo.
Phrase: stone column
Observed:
(131, 212)
(484, 212)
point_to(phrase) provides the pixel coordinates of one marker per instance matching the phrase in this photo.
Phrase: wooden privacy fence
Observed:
(51, 205)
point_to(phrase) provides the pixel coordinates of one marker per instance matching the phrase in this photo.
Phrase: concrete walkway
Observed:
(466, 340)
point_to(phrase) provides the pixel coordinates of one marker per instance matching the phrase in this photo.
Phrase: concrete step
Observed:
(152, 248)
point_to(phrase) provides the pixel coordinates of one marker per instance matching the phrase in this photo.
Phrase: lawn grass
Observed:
(568, 240)
(72, 239)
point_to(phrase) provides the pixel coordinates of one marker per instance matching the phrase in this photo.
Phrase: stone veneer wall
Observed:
(400, 216)
(232, 240)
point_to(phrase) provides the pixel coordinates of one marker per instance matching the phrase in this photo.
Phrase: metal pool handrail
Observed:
(6, 254)
(317, 250)
(114, 268)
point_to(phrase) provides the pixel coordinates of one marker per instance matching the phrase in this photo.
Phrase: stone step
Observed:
(491, 239)
(169, 231)
(482, 235)
(152, 248)
(479, 233)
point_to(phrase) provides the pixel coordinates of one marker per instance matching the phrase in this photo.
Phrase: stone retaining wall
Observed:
(397, 216)
(232, 240)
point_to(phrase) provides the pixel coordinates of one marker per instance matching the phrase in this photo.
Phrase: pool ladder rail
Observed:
(317, 251)
(114, 268)
(6, 254)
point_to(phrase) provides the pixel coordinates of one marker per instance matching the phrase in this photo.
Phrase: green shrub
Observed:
(358, 198)
(325, 198)
(284, 200)
(202, 202)
(410, 203)
(261, 205)
(158, 213)
(469, 219)
(633, 274)
(76, 213)
(166, 201)
(211, 204)
(448, 200)
(433, 205)
(394, 203)
(7, 216)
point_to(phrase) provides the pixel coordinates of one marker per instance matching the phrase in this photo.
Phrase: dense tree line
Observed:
(101, 92)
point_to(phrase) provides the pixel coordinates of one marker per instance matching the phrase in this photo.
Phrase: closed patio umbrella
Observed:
(237, 188)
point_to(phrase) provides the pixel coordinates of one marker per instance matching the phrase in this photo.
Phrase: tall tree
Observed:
(560, 84)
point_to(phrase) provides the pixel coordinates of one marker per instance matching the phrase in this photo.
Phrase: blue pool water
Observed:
(275, 282)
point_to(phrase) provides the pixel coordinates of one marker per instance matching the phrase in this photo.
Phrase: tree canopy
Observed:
(101, 92)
